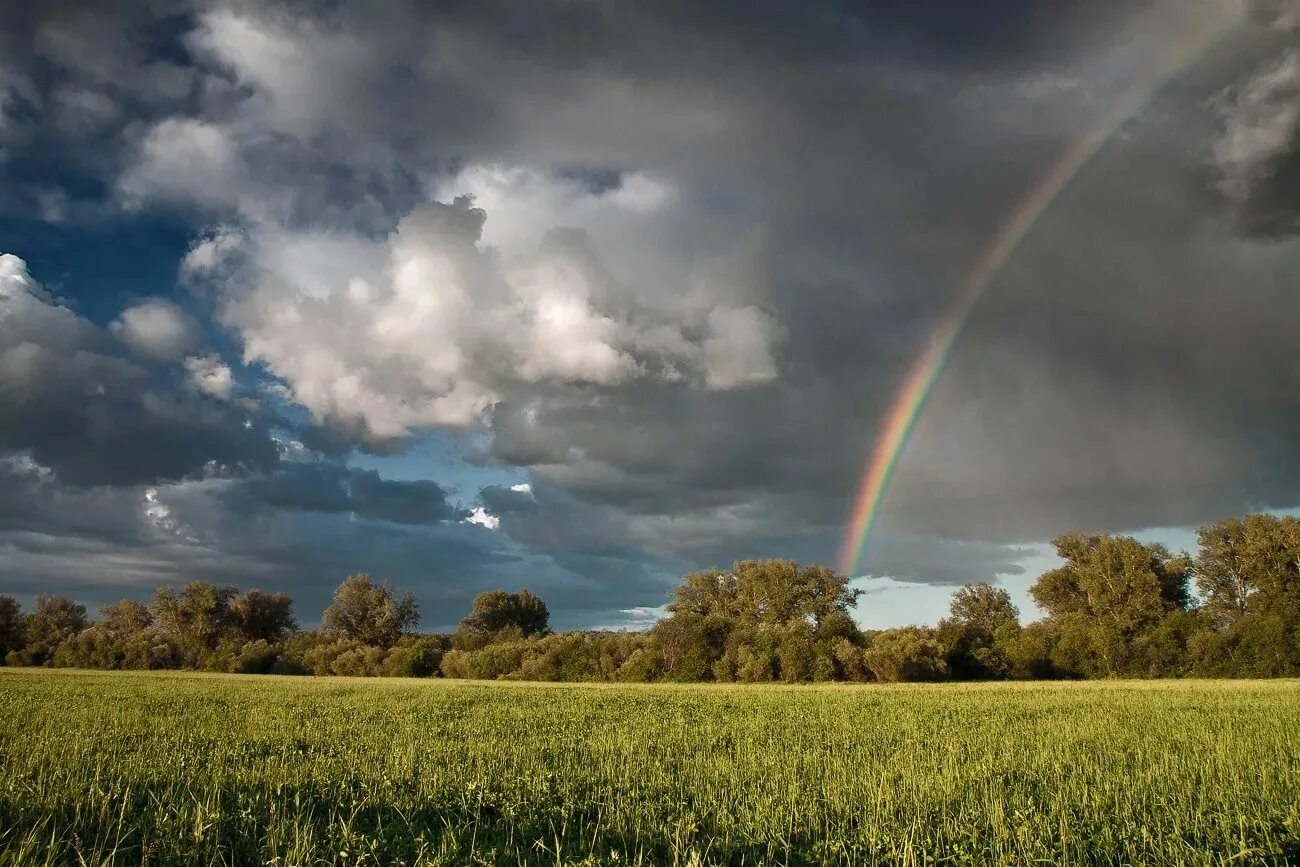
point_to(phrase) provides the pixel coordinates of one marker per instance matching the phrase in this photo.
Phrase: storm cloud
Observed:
(668, 264)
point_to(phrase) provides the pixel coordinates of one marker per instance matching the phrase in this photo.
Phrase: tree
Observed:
(1248, 566)
(125, 616)
(976, 614)
(907, 654)
(496, 612)
(1110, 590)
(367, 612)
(54, 620)
(264, 616)
(709, 592)
(781, 592)
(775, 592)
(982, 608)
(759, 617)
(12, 633)
(1114, 579)
(196, 619)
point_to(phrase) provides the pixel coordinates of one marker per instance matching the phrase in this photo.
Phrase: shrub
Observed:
(908, 654)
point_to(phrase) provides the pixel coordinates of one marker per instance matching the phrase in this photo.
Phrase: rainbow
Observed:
(912, 397)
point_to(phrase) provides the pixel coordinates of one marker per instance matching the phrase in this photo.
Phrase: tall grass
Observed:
(116, 768)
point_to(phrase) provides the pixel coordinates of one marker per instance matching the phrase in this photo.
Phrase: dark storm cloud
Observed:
(818, 175)
(97, 418)
(321, 487)
(1258, 153)
(104, 543)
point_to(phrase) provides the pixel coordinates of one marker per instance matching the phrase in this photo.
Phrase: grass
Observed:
(119, 768)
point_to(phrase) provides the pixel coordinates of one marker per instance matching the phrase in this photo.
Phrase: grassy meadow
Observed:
(124, 768)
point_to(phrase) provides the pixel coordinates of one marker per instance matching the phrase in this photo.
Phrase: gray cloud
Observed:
(320, 487)
(157, 329)
(699, 269)
(1258, 153)
(96, 418)
(103, 543)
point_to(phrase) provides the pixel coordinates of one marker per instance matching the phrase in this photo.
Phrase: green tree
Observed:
(122, 638)
(976, 613)
(1249, 566)
(12, 632)
(125, 616)
(264, 616)
(982, 607)
(907, 654)
(496, 612)
(761, 619)
(369, 613)
(196, 619)
(782, 592)
(54, 620)
(1109, 592)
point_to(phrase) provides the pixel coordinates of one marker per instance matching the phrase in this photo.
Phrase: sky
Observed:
(580, 295)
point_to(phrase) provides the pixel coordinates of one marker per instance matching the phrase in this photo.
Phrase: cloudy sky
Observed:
(581, 294)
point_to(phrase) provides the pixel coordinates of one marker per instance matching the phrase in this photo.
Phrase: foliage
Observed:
(369, 613)
(970, 632)
(264, 616)
(497, 612)
(1115, 608)
(760, 620)
(54, 620)
(13, 632)
(907, 654)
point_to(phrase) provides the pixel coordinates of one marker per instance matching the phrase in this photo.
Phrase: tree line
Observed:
(1116, 608)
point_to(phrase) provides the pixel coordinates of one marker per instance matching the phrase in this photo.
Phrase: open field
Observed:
(125, 768)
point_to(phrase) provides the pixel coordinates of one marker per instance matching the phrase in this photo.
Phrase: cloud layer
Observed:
(671, 278)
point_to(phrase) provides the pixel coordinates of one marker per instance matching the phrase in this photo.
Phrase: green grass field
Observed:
(123, 768)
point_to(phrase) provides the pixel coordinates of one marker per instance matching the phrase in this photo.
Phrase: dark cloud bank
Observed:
(668, 261)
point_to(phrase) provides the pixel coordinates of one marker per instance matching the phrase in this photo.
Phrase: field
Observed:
(100, 768)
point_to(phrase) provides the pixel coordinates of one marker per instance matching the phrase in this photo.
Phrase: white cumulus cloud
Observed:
(157, 329)
(739, 349)
(483, 518)
(426, 327)
(209, 375)
(185, 161)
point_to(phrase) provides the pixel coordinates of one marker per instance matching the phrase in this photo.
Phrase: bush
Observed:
(905, 655)
(256, 657)
(413, 658)
(644, 665)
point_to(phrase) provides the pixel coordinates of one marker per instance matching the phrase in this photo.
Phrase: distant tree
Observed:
(122, 638)
(54, 620)
(414, 656)
(976, 614)
(761, 619)
(1248, 574)
(765, 591)
(907, 654)
(12, 633)
(781, 592)
(1114, 579)
(1110, 590)
(711, 592)
(264, 616)
(196, 619)
(982, 607)
(366, 612)
(496, 612)
(1249, 565)
(1027, 650)
(125, 616)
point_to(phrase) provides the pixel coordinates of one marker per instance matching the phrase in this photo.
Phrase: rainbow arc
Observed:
(914, 394)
